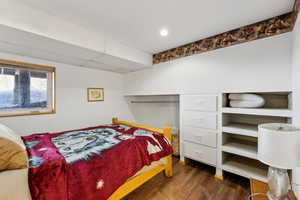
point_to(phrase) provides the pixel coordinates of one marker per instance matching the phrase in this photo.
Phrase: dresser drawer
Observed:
(199, 119)
(199, 102)
(200, 136)
(200, 153)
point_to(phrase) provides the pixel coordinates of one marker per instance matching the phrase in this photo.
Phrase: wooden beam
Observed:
(267, 28)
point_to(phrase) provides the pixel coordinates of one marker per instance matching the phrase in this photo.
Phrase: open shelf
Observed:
(239, 141)
(248, 150)
(276, 112)
(247, 168)
(241, 129)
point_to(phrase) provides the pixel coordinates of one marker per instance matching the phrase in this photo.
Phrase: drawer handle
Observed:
(198, 119)
(200, 101)
(198, 137)
(199, 153)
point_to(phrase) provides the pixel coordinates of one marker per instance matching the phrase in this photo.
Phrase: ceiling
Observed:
(24, 43)
(137, 22)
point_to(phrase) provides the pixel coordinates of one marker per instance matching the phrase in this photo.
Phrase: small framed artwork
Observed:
(95, 94)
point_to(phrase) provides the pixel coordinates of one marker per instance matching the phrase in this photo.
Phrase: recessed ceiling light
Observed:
(164, 32)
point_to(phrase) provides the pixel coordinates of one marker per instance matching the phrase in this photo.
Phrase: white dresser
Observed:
(199, 127)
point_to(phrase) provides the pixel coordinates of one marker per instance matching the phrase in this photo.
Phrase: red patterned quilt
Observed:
(91, 163)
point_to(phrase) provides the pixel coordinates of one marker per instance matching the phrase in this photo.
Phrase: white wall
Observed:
(296, 92)
(296, 72)
(147, 110)
(259, 65)
(262, 65)
(73, 110)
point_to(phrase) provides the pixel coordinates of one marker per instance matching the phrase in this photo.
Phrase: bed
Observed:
(12, 179)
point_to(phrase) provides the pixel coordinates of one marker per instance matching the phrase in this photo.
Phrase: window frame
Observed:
(51, 109)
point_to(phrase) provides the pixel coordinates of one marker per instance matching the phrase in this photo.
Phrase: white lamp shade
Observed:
(279, 145)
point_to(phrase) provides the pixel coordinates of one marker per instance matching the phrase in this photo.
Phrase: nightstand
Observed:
(261, 187)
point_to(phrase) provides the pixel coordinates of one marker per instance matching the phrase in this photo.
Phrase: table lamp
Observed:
(279, 147)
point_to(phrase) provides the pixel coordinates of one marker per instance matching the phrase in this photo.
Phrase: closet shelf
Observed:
(241, 129)
(247, 150)
(276, 112)
(246, 168)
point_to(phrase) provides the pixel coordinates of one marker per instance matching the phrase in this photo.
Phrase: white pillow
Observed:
(6, 132)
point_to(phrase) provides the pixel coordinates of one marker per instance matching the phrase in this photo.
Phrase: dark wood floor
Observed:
(194, 181)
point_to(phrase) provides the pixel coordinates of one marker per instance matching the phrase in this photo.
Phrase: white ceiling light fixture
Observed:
(164, 32)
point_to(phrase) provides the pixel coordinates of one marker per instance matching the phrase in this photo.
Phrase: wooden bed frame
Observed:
(137, 181)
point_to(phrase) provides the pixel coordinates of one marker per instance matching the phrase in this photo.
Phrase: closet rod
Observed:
(154, 102)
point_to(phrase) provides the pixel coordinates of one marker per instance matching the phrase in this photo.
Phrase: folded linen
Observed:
(246, 104)
(247, 97)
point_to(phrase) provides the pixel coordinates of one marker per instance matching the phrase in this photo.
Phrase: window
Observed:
(26, 89)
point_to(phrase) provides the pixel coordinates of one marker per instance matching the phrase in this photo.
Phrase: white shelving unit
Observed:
(260, 111)
(243, 149)
(239, 132)
(241, 129)
(246, 169)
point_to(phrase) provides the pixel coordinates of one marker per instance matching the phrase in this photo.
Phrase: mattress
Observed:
(14, 183)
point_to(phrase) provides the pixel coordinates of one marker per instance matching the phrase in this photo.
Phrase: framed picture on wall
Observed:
(95, 94)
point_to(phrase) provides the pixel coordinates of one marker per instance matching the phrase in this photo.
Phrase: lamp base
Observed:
(279, 184)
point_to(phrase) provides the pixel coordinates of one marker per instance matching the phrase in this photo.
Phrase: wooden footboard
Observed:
(137, 181)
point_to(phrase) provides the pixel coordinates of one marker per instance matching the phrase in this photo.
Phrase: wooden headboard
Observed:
(166, 131)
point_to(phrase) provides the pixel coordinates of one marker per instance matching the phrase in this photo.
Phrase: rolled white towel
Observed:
(246, 104)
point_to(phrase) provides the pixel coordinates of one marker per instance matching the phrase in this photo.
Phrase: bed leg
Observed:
(114, 120)
(169, 167)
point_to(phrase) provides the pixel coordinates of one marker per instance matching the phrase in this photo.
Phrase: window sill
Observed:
(27, 113)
